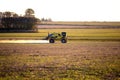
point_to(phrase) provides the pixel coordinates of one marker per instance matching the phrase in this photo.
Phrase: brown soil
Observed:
(70, 60)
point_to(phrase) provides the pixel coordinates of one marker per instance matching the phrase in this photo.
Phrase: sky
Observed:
(66, 10)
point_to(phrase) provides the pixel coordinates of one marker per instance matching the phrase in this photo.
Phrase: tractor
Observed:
(57, 36)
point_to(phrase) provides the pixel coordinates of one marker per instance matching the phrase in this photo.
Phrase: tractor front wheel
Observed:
(51, 40)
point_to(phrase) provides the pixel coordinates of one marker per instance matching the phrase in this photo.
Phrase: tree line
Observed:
(28, 13)
(10, 21)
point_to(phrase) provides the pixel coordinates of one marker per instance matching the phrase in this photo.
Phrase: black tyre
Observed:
(51, 40)
(63, 41)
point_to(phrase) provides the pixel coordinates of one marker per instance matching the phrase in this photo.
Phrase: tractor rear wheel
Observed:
(51, 40)
(63, 41)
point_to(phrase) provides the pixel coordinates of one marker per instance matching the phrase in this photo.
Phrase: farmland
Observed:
(90, 54)
(72, 23)
(79, 60)
(73, 34)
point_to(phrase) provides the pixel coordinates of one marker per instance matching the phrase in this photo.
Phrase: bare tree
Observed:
(7, 14)
(29, 12)
(15, 15)
(1, 14)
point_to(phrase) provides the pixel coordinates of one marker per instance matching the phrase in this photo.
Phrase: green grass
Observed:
(73, 34)
(70, 32)
(86, 32)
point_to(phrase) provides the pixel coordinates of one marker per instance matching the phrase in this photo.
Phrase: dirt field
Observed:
(78, 60)
(84, 24)
(76, 27)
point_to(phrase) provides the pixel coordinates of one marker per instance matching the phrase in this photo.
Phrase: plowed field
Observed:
(79, 60)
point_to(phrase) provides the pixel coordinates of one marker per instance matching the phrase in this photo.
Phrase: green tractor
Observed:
(57, 36)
